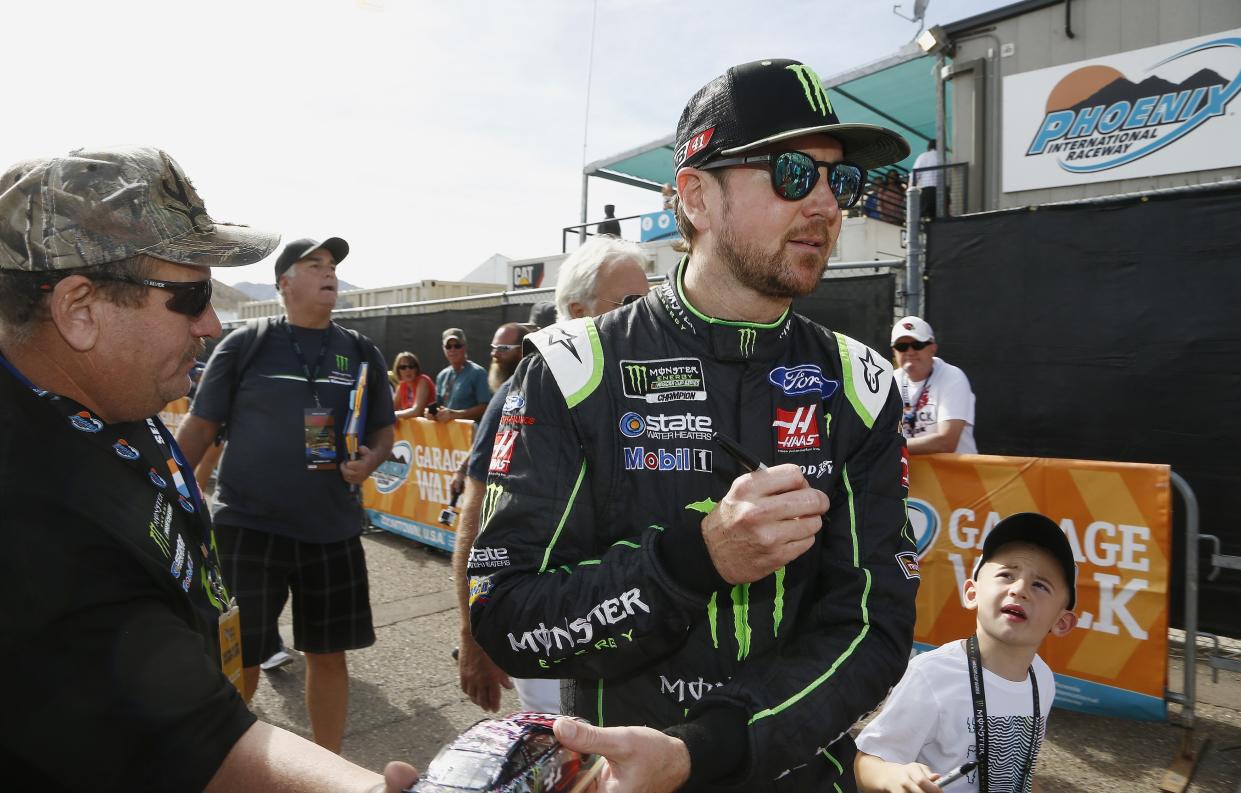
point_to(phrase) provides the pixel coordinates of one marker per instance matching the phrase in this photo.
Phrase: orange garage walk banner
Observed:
(1117, 518)
(409, 493)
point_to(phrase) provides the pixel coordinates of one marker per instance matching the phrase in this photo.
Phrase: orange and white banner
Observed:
(409, 493)
(1117, 517)
(174, 413)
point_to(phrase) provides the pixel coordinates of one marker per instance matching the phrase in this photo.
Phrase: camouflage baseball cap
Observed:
(94, 207)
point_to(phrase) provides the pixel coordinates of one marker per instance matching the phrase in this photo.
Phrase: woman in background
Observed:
(414, 389)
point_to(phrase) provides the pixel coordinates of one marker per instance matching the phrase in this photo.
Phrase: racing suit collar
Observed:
(723, 340)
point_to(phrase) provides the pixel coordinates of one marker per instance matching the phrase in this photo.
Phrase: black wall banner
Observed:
(1108, 331)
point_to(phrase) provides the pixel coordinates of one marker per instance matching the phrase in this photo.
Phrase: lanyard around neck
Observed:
(311, 375)
(977, 694)
(923, 395)
(179, 488)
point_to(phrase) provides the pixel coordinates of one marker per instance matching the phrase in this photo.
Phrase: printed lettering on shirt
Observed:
(660, 426)
(489, 557)
(797, 430)
(639, 458)
(664, 380)
(806, 378)
(580, 631)
(816, 471)
(502, 451)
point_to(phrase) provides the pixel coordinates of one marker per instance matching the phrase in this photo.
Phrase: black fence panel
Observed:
(1107, 331)
(859, 306)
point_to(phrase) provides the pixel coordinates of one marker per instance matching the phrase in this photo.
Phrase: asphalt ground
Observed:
(405, 702)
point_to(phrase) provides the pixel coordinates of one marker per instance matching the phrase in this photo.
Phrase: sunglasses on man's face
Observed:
(452, 345)
(795, 173)
(903, 346)
(190, 298)
(505, 347)
(624, 301)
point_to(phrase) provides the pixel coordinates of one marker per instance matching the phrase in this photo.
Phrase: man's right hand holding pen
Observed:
(769, 517)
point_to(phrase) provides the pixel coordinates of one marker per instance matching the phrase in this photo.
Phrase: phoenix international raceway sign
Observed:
(1160, 110)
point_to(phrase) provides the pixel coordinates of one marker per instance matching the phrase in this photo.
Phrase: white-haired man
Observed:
(602, 274)
(594, 280)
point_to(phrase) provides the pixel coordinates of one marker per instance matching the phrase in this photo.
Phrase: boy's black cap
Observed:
(1034, 529)
(300, 249)
(762, 102)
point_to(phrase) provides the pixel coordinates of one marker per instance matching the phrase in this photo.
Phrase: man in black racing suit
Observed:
(625, 550)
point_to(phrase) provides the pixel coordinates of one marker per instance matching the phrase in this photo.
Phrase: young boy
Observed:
(1023, 587)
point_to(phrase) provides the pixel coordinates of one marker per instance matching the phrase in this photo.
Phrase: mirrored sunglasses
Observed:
(794, 174)
(505, 347)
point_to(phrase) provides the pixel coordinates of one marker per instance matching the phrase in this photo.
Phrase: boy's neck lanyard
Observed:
(311, 376)
(983, 752)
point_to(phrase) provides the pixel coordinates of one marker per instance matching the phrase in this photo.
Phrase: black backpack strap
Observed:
(253, 334)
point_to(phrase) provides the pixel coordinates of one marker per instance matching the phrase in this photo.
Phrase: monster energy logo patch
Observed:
(664, 380)
(748, 337)
(813, 87)
(342, 362)
(491, 499)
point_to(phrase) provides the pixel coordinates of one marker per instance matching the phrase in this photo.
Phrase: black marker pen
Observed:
(739, 454)
(953, 776)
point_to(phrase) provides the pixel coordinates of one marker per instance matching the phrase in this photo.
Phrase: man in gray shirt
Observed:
(286, 513)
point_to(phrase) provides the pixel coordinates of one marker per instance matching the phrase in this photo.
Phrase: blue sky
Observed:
(430, 135)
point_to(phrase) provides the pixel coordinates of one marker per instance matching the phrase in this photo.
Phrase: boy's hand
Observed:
(910, 778)
(876, 775)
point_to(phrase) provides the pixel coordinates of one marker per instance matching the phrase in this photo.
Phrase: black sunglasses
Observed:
(452, 345)
(190, 298)
(795, 173)
(407, 366)
(624, 301)
(903, 346)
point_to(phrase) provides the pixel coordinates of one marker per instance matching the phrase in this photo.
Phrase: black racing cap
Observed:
(764, 102)
(1035, 529)
(300, 249)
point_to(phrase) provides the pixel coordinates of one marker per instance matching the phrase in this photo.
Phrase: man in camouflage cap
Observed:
(121, 631)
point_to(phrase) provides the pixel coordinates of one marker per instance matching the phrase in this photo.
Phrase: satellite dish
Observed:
(919, 13)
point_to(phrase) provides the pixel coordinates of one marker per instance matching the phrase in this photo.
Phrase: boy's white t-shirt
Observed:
(928, 718)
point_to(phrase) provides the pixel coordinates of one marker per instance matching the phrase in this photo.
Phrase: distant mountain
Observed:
(1128, 91)
(268, 291)
(227, 298)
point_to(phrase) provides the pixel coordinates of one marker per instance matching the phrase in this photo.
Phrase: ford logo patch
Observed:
(806, 378)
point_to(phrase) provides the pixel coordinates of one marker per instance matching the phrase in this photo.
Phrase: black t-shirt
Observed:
(109, 654)
(264, 483)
